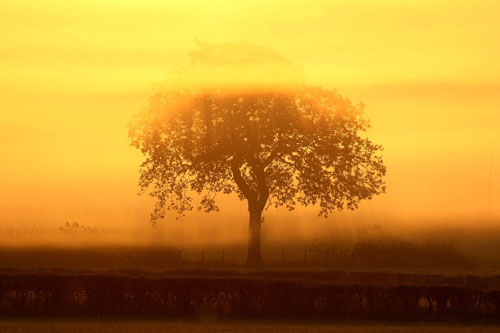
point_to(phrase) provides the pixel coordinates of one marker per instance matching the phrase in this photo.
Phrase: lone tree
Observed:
(239, 118)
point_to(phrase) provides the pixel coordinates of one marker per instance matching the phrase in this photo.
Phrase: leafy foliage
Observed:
(282, 145)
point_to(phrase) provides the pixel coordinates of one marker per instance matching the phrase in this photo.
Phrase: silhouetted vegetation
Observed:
(266, 136)
(75, 228)
(397, 254)
(246, 296)
(387, 253)
(329, 252)
(159, 282)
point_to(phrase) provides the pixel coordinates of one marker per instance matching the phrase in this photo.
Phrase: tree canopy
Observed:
(239, 118)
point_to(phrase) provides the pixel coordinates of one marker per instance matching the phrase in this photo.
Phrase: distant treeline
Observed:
(101, 295)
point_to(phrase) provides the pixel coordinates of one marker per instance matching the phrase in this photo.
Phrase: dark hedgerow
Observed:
(113, 295)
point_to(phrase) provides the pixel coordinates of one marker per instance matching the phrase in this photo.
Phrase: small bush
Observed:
(75, 228)
(323, 251)
(398, 253)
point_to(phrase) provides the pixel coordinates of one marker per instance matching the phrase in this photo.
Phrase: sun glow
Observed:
(73, 74)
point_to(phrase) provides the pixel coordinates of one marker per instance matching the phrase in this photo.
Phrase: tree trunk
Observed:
(254, 255)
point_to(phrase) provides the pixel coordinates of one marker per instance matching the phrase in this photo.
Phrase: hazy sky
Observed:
(74, 72)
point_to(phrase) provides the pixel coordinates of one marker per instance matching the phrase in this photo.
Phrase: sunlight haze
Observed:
(74, 73)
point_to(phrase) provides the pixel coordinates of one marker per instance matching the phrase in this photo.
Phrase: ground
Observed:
(230, 326)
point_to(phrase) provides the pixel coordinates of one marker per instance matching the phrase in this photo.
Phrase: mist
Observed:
(65, 109)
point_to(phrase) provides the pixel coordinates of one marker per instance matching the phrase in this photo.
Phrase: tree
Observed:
(260, 132)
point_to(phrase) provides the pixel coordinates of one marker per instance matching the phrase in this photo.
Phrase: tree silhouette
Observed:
(238, 118)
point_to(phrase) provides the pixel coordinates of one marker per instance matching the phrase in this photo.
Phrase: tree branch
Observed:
(261, 181)
(242, 185)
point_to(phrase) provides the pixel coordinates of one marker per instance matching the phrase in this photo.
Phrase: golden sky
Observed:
(74, 72)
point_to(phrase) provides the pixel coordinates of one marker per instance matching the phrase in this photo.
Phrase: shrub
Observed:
(398, 253)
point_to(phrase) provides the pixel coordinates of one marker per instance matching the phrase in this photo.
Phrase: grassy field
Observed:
(230, 326)
(379, 281)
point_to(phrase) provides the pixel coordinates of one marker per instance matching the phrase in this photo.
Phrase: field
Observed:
(230, 326)
(375, 286)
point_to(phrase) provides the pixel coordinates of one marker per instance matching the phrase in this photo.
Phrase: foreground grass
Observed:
(229, 326)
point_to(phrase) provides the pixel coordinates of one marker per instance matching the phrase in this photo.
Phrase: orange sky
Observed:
(74, 72)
